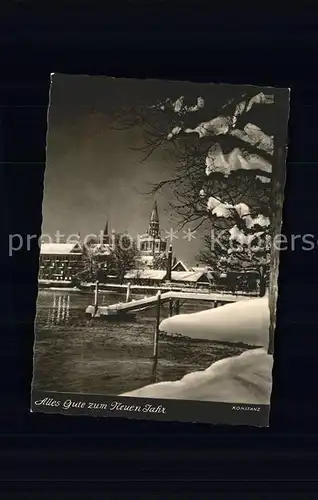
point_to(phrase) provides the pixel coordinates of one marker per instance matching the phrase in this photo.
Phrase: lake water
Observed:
(77, 354)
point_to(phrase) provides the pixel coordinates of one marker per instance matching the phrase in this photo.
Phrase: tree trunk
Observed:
(262, 282)
(279, 174)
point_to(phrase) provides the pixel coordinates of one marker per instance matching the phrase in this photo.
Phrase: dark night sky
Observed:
(92, 174)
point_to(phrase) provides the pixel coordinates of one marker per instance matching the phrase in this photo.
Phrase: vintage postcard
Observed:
(160, 249)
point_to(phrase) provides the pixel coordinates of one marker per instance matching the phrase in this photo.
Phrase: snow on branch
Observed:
(242, 210)
(175, 131)
(240, 108)
(237, 159)
(238, 235)
(246, 106)
(222, 125)
(219, 209)
(179, 105)
(260, 220)
(216, 126)
(256, 137)
(181, 108)
(264, 180)
(260, 98)
(226, 210)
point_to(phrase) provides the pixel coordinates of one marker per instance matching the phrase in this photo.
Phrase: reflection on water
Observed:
(77, 354)
(62, 306)
(59, 311)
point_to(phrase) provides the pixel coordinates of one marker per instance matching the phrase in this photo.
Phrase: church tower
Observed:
(154, 222)
(151, 245)
(106, 235)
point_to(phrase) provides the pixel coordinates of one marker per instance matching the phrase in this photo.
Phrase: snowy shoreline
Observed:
(242, 379)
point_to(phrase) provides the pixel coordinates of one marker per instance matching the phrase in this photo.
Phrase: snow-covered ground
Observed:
(243, 379)
(244, 321)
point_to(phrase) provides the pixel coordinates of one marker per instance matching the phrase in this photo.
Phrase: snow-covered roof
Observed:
(150, 274)
(101, 249)
(180, 263)
(189, 276)
(239, 273)
(153, 274)
(203, 269)
(59, 248)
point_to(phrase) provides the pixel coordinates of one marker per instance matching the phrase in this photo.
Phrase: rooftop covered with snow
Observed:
(101, 248)
(59, 248)
(180, 265)
(146, 274)
(189, 276)
(159, 275)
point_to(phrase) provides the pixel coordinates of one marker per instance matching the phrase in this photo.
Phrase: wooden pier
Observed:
(130, 306)
(124, 310)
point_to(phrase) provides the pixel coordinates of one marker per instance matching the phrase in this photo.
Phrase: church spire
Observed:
(105, 234)
(154, 221)
(154, 217)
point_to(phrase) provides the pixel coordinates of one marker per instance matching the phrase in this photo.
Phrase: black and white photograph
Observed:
(159, 253)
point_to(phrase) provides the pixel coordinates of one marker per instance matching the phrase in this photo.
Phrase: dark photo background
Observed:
(192, 43)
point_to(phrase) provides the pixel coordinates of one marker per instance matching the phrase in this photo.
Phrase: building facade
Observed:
(60, 261)
(63, 261)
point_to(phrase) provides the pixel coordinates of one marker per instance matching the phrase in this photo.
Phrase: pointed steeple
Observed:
(105, 234)
(154, 217)
(154, 221)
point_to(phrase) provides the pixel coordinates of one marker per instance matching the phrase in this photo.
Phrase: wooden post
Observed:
(128, 292)
(262, 282)
(169, 264)
(177, 306)
(96, 297)
(170, 307)
(156, 336)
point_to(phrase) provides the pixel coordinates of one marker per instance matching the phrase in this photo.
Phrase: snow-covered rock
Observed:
(243, 379)
(245, 321)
